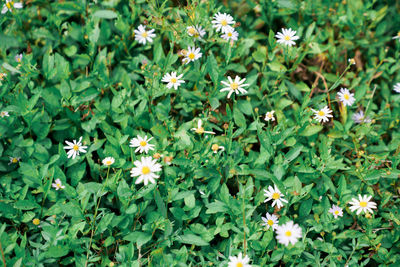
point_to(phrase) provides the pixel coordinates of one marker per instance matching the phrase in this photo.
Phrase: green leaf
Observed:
(311, 130)
(26, 205)
(105, 14)
(192, 239)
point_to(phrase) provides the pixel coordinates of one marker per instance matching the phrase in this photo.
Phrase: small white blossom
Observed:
(239, 261)
(230, 34)
(108, 161)
(216, 147)
(172, 80)
(288, 233)
(234, 86)
(336, 211)
(4, 114)
(359, 117)
(14, 160)
(145, 169)
(346, 97)
(58, 185)
(196, 31)
(142, 144)
(271, 220)
(274, 194)
(287, 37)
(396, 88)
(362, 204)
(143, 36)
(192, 54)
(222, 22)
(18, 58)
(75, 148)
(10, 5)
(323, 114)
(270, 116)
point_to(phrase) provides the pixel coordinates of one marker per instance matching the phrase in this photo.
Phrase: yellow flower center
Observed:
(269, 115)
(239, 264)
(214, 147)
(398, 34)
(58, 184)
(144, 35)
(234, 86)
(10, 4)
(287, 37)
(276, 196)
(108, 162)
(270, 222)
(173, 80)
(192, 31)
(336, 212)
(143, 143)
(36, 221)
(363, 204)
(321, 113)
(200, 130)
(229, 34)
(191, 56)
(224, 22)
(75, 147)
(145, 170)
(346, 96)
(288, 233)
(14, 160)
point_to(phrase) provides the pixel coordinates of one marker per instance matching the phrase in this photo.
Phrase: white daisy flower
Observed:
(18, 58)
(2, 75)
(323, 114)
(196, 31)
(396, 88)
(57, 185)
(359, 117)
(235, 86)
(362, 204)
(270, 116)
(10, 5)
(145, 169)
(142, 144)
(239, 261)
(192, 54)
(230, 34)
(287, 37)
(336, 211)
(271, 220)
(75, 148)
(200, 129)
(346, 97)
(397, 36)
(216, 147)
(288, 233)
(173, 80)
(4, 114)
(108, 161)
(143, 36)
(352, 61)
(222, 22)
(273, 193)
(14, 160)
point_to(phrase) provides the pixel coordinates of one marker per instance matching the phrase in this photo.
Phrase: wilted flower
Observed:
(359, 117)
(200, 129)
(196, 31)
(216, 147)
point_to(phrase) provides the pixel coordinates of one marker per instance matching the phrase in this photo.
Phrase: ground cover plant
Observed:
(199, 133)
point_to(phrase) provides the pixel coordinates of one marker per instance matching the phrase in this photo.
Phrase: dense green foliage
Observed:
(83, 74)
